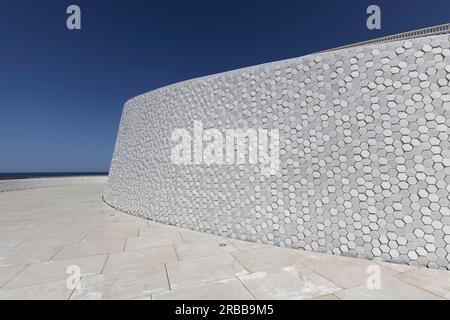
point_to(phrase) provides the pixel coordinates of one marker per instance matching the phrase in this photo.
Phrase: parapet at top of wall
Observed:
(425, 32)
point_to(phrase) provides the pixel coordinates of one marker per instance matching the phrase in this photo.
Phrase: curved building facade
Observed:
(345, 152)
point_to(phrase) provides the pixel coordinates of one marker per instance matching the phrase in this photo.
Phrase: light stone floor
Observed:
(46, 234)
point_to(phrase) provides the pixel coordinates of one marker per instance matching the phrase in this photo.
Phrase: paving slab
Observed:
(246, 245)
(344, 271)
(153, 240)
(204, 248)
(224, 289)
(27, 255)
(91, 248)
(290, 282)
(434, 281)
(8, 272)
(139, 283)
(140, 258)
(390, 289)
(57, 290)
(198, 271)
(56, 270)
(267, 258)
(193, 236)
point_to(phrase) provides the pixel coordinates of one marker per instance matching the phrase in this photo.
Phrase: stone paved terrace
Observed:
(44, 231)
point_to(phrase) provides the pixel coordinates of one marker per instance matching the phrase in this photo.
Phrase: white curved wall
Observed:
(364, 153)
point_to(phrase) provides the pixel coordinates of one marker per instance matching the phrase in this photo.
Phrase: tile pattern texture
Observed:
(364, 154)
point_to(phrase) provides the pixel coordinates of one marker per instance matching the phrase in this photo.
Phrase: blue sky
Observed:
(62, 92)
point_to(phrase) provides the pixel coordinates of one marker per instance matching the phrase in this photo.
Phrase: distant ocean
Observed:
(25, 175)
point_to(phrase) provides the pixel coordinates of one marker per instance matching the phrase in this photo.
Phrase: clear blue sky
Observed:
(62, 92)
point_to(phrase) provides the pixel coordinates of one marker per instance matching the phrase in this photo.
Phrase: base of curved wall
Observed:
(361, 162)
(243, 237)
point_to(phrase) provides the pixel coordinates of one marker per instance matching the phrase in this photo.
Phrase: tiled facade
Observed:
(364, 154)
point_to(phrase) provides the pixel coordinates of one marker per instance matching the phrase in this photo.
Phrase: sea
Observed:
(26, 175)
